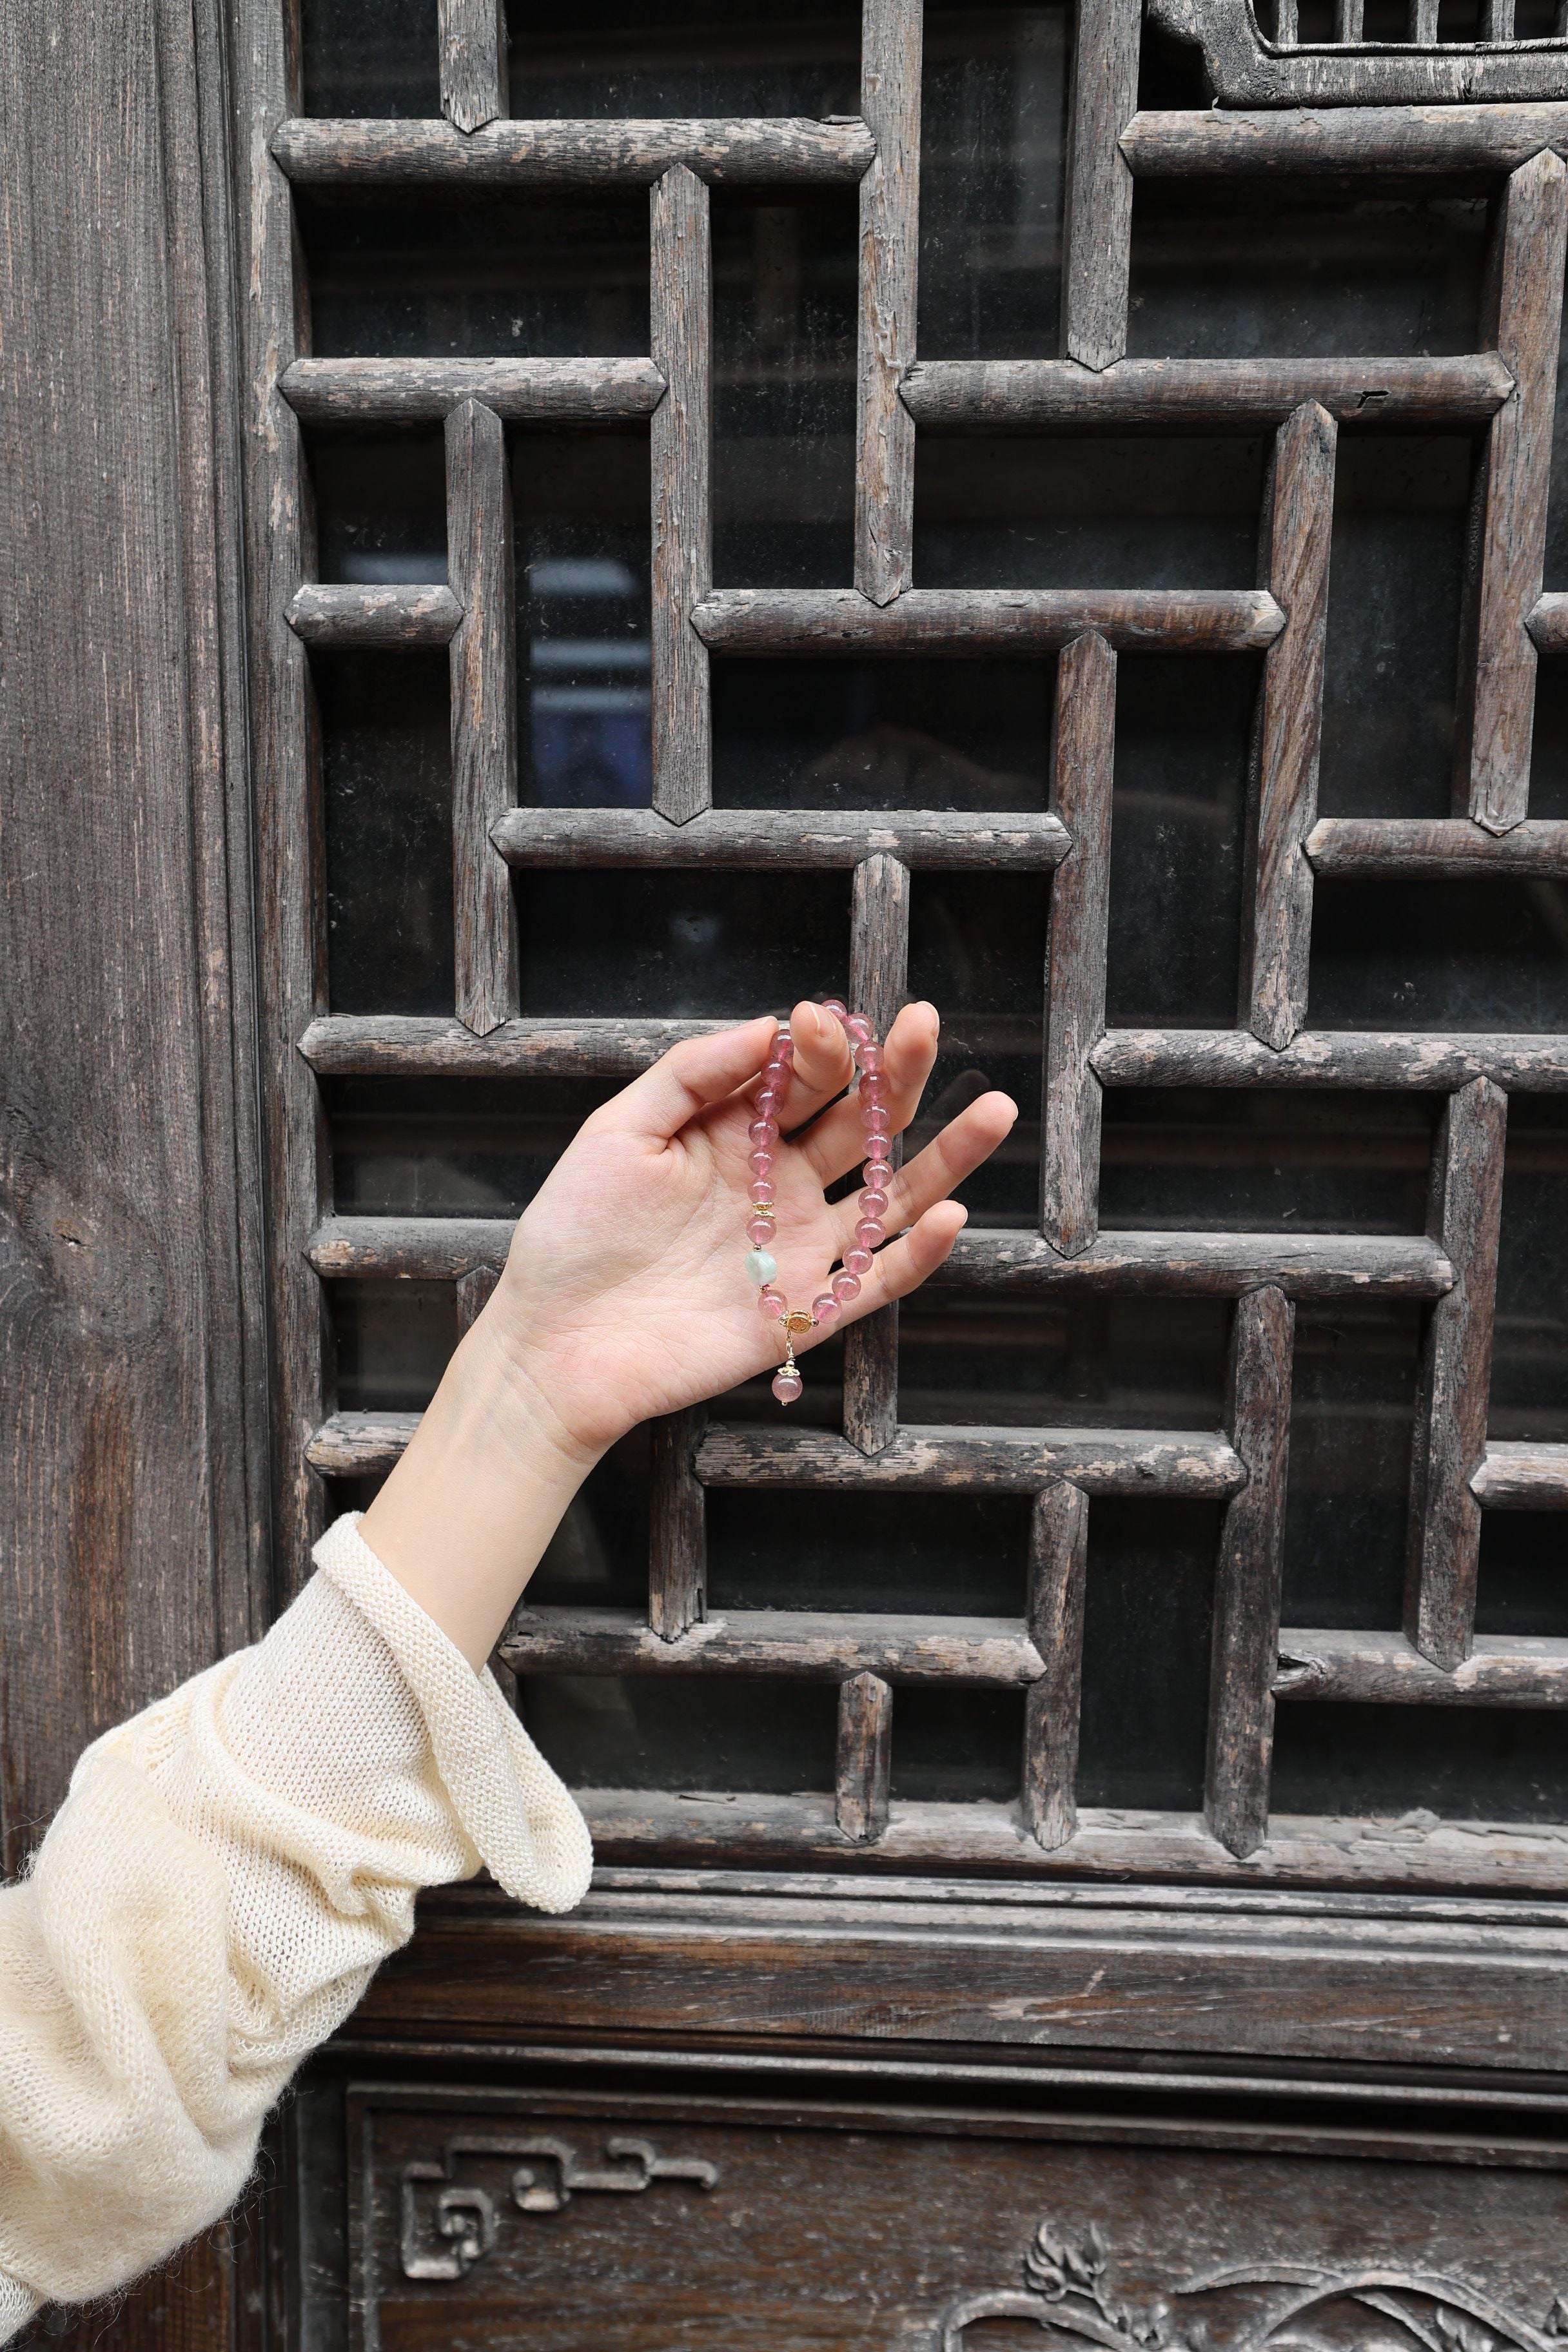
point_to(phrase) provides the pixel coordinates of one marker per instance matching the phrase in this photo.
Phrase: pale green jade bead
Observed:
(761, 1266)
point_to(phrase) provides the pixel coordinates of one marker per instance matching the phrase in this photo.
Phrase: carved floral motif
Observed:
(463, 2220)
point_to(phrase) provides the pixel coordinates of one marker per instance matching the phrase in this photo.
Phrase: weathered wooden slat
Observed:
(681, 435)
(474, 1291)
(1523, 316)
(879, 986)
(798, 840)
(1222, 143)
(483, 659)
(889, 255)
(415, 1045)
(326, 613)
(864, 1763)
(473, 61)
(768, 151)
(1456, 1374)
(1425, 847)
(1382, 1667)
(1282, 797)
(1346, 1057)
(1012, 1461)
(1250, 1574)
(1031, 395)
(1523, 1477)
(1058, 1562)
(1098, 183)
(1083, 753)
(1548, 622)
(524, 392)
(808, 1644)
(782, 620)
(678, 1538)
(359, 1444)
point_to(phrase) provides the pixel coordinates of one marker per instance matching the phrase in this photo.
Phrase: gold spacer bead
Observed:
(764, 1209)
(797, 1319)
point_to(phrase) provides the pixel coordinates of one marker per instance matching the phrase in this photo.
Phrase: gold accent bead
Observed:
(764, 1209)
(797, 1319)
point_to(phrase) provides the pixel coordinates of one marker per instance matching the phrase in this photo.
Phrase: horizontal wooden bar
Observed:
(1200, 395)
(807, 840)
(408, 1249)
(1203, 1265)
(397, 1044)
(524, 392)
(782, 621)
(813, 1645)
(1422, 848)
(769, 150)
(1523, 1477)
(1400, 1059)
(1009, 1461)
(1216, 143)
(360, 1444)
(1383, 1667)
(328, 613)
(1548, 622)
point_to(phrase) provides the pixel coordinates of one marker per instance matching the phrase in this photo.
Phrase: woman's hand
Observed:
(625, 1293)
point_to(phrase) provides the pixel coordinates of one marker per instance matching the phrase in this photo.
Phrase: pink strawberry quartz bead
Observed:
(773, 1304)
(787, 1385)
(857, 1261)
(869, 1235)
(836, 1006)
(760, 1232)
(825, 1309)
(845, 1286)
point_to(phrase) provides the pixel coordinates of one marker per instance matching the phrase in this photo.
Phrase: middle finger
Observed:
(837, 1143)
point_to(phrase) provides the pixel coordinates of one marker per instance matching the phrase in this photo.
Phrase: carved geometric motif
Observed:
(462, 2218)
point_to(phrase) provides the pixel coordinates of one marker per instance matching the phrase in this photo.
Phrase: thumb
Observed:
(697, 1072)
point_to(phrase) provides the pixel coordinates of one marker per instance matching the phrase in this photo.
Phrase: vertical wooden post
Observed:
(678, 1544)
(1496, 699)
(1450, 1436)
(878, 984)
(1099, 245)
(483, 655)
(890, 257)
(1083, 754)
(473, 61)
(1282, 802)
(1059, 1559)
(1251, 1569)
(865, 1756)
(681, 449)
(474, 1290)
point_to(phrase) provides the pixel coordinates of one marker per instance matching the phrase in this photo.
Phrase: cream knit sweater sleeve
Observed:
(223, 1877)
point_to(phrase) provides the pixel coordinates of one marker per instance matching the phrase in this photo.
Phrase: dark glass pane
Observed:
(686, 57)
(451, 1147)
(683, 1732)
(1555, 576)
(1396, 569)
(1182, 727)
(956, 1746)
(386, 780)
(977, 950)
(392, 1341)
(1149, 1601)
(1440, 955)
(1066, 1361)
(1351, 1416)
(886, 734)
(1450, 1763)
(381, 505)
(1549, 746)
(1530, 1343)
(1265, 1161)
(597, 1558)
(1522, 1588)
(1030, 511)
(371, 56)
(581, 516)
(784, 297)
(1257, 268)
(477, 275)
(993, 105)
(676, 941)
(961, 1555)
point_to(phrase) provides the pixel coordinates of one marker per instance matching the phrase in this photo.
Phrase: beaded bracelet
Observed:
(761, 1267)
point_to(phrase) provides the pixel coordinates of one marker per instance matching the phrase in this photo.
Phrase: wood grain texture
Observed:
(1098, 183)
(677, 1534)
(771, 152)
(1282, 795)
(1385, 1668)
(1343, 1058)
(681, 438)
(474, 1291)
(1198, 395)
(1058, 1568)
(419, 391)
(782, 620)
(1005, 1461)
(1226, 145)
(1250, 1574)
(1450, 1431)
(363, 1445)
(1523, 1477)
(865, 1756)
(807, 1644)
(784, 840)
(1083, 758)
(421, 1046)
(1422, 849)
(888, 264)
(483, 658)
(329, 613)
(878, 987)
(472, 35)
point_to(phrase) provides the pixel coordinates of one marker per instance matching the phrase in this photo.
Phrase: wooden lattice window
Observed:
(1291, 1229)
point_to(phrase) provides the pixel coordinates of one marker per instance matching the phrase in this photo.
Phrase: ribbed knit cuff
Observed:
(18, 2304)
